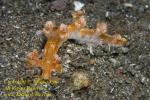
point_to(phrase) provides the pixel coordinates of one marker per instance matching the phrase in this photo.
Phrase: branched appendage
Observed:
(110, 39)
(57, 35)
(100, 34)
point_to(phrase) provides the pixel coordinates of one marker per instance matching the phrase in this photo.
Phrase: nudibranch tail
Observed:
(48, 28)
(77, 14)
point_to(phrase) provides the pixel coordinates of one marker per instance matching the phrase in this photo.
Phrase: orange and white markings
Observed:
(78, 30)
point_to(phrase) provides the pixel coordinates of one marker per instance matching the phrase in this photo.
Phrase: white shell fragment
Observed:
(128, 5)
(78, 5)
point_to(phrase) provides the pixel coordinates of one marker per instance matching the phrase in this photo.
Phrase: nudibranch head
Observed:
(77, 14)
(48, 28)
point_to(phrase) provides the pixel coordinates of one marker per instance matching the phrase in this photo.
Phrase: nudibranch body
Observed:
(57, 35)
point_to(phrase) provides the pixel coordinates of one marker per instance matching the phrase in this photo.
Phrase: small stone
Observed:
(38, 32)
(2, 65)
(128, 5)
(21, 59)
(125, 50)
(8, 39)
(119, 71)
(58, 5)
(92, 69)
(80, 80)
(107, 14)
(16, 26)
(16, 56)
(92, 61)
(114, 61)
(78, 5)
(143, 79)
(69, 51)
(146, 6)
(3, 7)
(9, 12)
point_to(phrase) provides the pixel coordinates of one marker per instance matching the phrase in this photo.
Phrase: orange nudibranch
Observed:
(57, 35)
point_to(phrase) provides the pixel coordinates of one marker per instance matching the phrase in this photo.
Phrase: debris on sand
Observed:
(78, 5)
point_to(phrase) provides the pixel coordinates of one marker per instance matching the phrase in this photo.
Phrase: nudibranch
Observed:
(57, 35)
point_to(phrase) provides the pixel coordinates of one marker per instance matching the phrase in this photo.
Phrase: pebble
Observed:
(143, 79)
(125, 50)
(114, 61)
(8, 39)
(2, 65)
(146, 6)
(80, 79)
(78, 5)
(107, 14)
(58, 5)
(38, 32)
(128, 5)
(69, 51)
